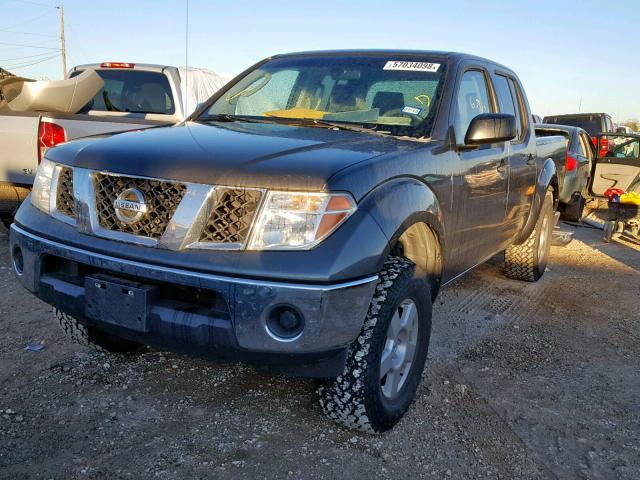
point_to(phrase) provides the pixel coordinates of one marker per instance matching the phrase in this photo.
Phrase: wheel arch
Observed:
(419, 243)
(409, 214)
(547, 179)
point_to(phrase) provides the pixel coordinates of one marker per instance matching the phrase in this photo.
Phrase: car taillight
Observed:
(604, 146)
(117, 65)
(49, 134)
(570, 163)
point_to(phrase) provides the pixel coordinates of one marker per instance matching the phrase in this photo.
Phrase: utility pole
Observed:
(63, 49)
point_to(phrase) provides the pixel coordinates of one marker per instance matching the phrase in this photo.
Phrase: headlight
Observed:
(290, 220)
(41, 192)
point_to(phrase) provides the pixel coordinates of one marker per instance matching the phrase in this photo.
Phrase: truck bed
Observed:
(19, 144)
(555, 148)
(19, 135)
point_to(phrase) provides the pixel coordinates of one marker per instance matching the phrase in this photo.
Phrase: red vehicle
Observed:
(593, 123)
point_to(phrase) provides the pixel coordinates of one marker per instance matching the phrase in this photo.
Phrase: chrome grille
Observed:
(232, 215)
(65, 203)
(161, 196)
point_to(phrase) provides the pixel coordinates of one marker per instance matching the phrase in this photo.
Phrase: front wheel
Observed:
(95, 339)
(528, 260)
(385, 363)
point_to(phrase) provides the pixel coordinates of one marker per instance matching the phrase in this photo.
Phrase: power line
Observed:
(27, 46)
(29, 64)
(25, 57)
(37, 17)
(29, 33)
(29, 2)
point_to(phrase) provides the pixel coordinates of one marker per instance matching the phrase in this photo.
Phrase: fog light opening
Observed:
(285, 323)
(17, 260)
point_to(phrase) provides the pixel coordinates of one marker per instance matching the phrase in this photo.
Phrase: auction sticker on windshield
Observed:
(411, 66)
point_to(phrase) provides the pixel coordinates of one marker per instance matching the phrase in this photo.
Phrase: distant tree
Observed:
(633, 124)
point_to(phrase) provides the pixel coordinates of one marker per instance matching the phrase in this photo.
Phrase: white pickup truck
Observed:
(133, 96)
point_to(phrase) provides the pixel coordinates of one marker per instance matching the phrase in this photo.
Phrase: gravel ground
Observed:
(523, 381)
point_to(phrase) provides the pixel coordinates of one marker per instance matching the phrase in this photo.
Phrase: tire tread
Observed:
(343, 399)
(520, 261)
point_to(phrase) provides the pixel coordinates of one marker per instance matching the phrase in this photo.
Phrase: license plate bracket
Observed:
(117, 301)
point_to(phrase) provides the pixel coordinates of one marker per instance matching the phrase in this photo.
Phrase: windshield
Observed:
(132, 91)
(390, 94)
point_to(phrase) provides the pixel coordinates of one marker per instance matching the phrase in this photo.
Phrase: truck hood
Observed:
(237, 154)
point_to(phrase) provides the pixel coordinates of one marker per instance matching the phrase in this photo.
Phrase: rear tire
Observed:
(573, 211)
(528, 261)
(385, 363)
(93, 338)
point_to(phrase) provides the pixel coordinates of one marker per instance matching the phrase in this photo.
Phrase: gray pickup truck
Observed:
(304, 218)
(133, 97)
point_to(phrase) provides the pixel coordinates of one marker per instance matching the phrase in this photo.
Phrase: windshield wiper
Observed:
(227, 117)
(351, 128)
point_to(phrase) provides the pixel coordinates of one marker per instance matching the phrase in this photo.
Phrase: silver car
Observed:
(573, 175)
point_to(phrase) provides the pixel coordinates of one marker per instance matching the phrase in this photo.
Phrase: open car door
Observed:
(617, 165)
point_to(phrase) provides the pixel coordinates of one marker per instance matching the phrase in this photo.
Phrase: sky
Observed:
(570, 55)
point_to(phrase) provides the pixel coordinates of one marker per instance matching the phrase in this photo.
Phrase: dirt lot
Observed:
(523, 381)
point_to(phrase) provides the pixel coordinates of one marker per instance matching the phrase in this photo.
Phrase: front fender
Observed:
(399, 203)
(547, 177)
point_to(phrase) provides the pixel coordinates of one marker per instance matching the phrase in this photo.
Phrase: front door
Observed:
(480, 197)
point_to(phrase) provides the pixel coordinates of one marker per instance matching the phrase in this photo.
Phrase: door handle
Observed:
(503, 166)
(531, 160)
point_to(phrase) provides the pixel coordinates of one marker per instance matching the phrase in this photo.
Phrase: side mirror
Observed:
(491, 128)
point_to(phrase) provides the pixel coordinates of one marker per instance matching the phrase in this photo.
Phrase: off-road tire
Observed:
(354, 399)
(572, 212)
(523, 261)
(93, 338)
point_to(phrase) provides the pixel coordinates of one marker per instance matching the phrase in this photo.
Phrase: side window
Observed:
(472, 100)
(521, 118)
(507, 102)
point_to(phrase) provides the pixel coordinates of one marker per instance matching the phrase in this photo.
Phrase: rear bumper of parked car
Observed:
(200, 313)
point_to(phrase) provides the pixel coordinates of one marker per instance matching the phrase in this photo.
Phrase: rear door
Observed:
(522, 157)
(618, 166)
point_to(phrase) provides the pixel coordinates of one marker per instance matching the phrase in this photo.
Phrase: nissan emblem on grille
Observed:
(130, 206)
(160, 197)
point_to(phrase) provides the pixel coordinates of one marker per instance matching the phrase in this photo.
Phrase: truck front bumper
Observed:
(201, 313)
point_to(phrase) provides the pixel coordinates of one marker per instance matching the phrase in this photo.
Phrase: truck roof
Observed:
(150, 67)
(426, 53)
(576, 115)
